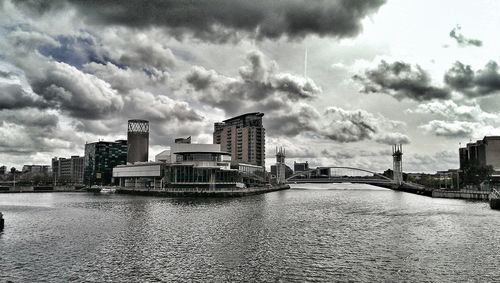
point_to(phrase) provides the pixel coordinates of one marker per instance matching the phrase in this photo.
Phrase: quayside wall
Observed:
(475, 195)
(197, 192)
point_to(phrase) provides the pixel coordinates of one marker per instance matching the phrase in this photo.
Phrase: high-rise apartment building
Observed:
(68, 169)
(244, 137)
(100, 158)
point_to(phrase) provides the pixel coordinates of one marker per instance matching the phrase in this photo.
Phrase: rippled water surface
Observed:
(328, 233)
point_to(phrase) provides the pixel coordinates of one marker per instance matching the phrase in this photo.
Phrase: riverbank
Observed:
(474, 195)
(41, 189)
(196, 192)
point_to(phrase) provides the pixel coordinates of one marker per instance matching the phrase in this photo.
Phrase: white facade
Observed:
(138, 170)
(169, 155)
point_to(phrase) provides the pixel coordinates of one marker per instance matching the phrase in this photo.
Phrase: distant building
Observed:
(3, 170)
(68, 169)
(481, 153)
(300, 166)
(288, 170)
(463, 154)
(100, 158)
(243, 137)
(43, 169)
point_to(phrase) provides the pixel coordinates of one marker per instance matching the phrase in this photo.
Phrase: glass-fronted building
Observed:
(206, 167)
(100, 159)
(193, 166)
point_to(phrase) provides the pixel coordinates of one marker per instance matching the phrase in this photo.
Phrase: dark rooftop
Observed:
(244, 115)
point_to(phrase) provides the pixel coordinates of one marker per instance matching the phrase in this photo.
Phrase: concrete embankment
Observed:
(474, 195)
(40, 189)
(438, 193)
(194, 192)
(414, 189)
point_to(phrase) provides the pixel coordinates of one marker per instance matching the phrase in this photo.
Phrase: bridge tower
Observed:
(280, 165)
(397, 160)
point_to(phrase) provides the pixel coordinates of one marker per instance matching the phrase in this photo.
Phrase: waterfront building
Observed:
(100, 159)
(481, 153)
(300, 166)
(203, 166)
(68, 169)
(243, 137)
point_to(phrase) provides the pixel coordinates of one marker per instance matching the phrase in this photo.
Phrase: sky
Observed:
(417, 72)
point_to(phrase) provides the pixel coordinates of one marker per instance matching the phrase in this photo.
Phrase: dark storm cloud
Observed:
(335, 124)
(73, 50)
(260, 86)
(80, 95)
(30, 118)
(348, 126)
(482, 82)
(293, 122)
(456, 33)
(31, 40)
(222, 20)
(401, 80)
(283, 97)
(13, 96)
(27, 131)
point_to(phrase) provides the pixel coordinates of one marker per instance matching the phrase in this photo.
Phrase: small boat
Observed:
(495, 199)
(108, 190)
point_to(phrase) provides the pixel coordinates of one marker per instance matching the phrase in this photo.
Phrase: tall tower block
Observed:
(280, 165)
(397, 160)
(138, 141)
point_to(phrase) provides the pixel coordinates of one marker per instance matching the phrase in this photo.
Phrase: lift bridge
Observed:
(343, 174)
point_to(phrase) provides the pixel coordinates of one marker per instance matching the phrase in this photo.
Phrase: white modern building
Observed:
(186, 165)
(140, 175)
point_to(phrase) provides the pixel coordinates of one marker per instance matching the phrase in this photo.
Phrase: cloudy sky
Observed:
(421, 73)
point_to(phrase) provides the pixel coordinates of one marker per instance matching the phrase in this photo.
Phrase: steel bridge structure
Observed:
(342, 174)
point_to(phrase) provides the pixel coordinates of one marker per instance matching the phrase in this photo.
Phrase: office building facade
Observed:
(300, 166)
(40, 169)
(481, 153)
(68, 170)
(100, 159)
(243, 137)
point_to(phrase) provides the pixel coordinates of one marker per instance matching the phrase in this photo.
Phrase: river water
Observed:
(325, 233)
